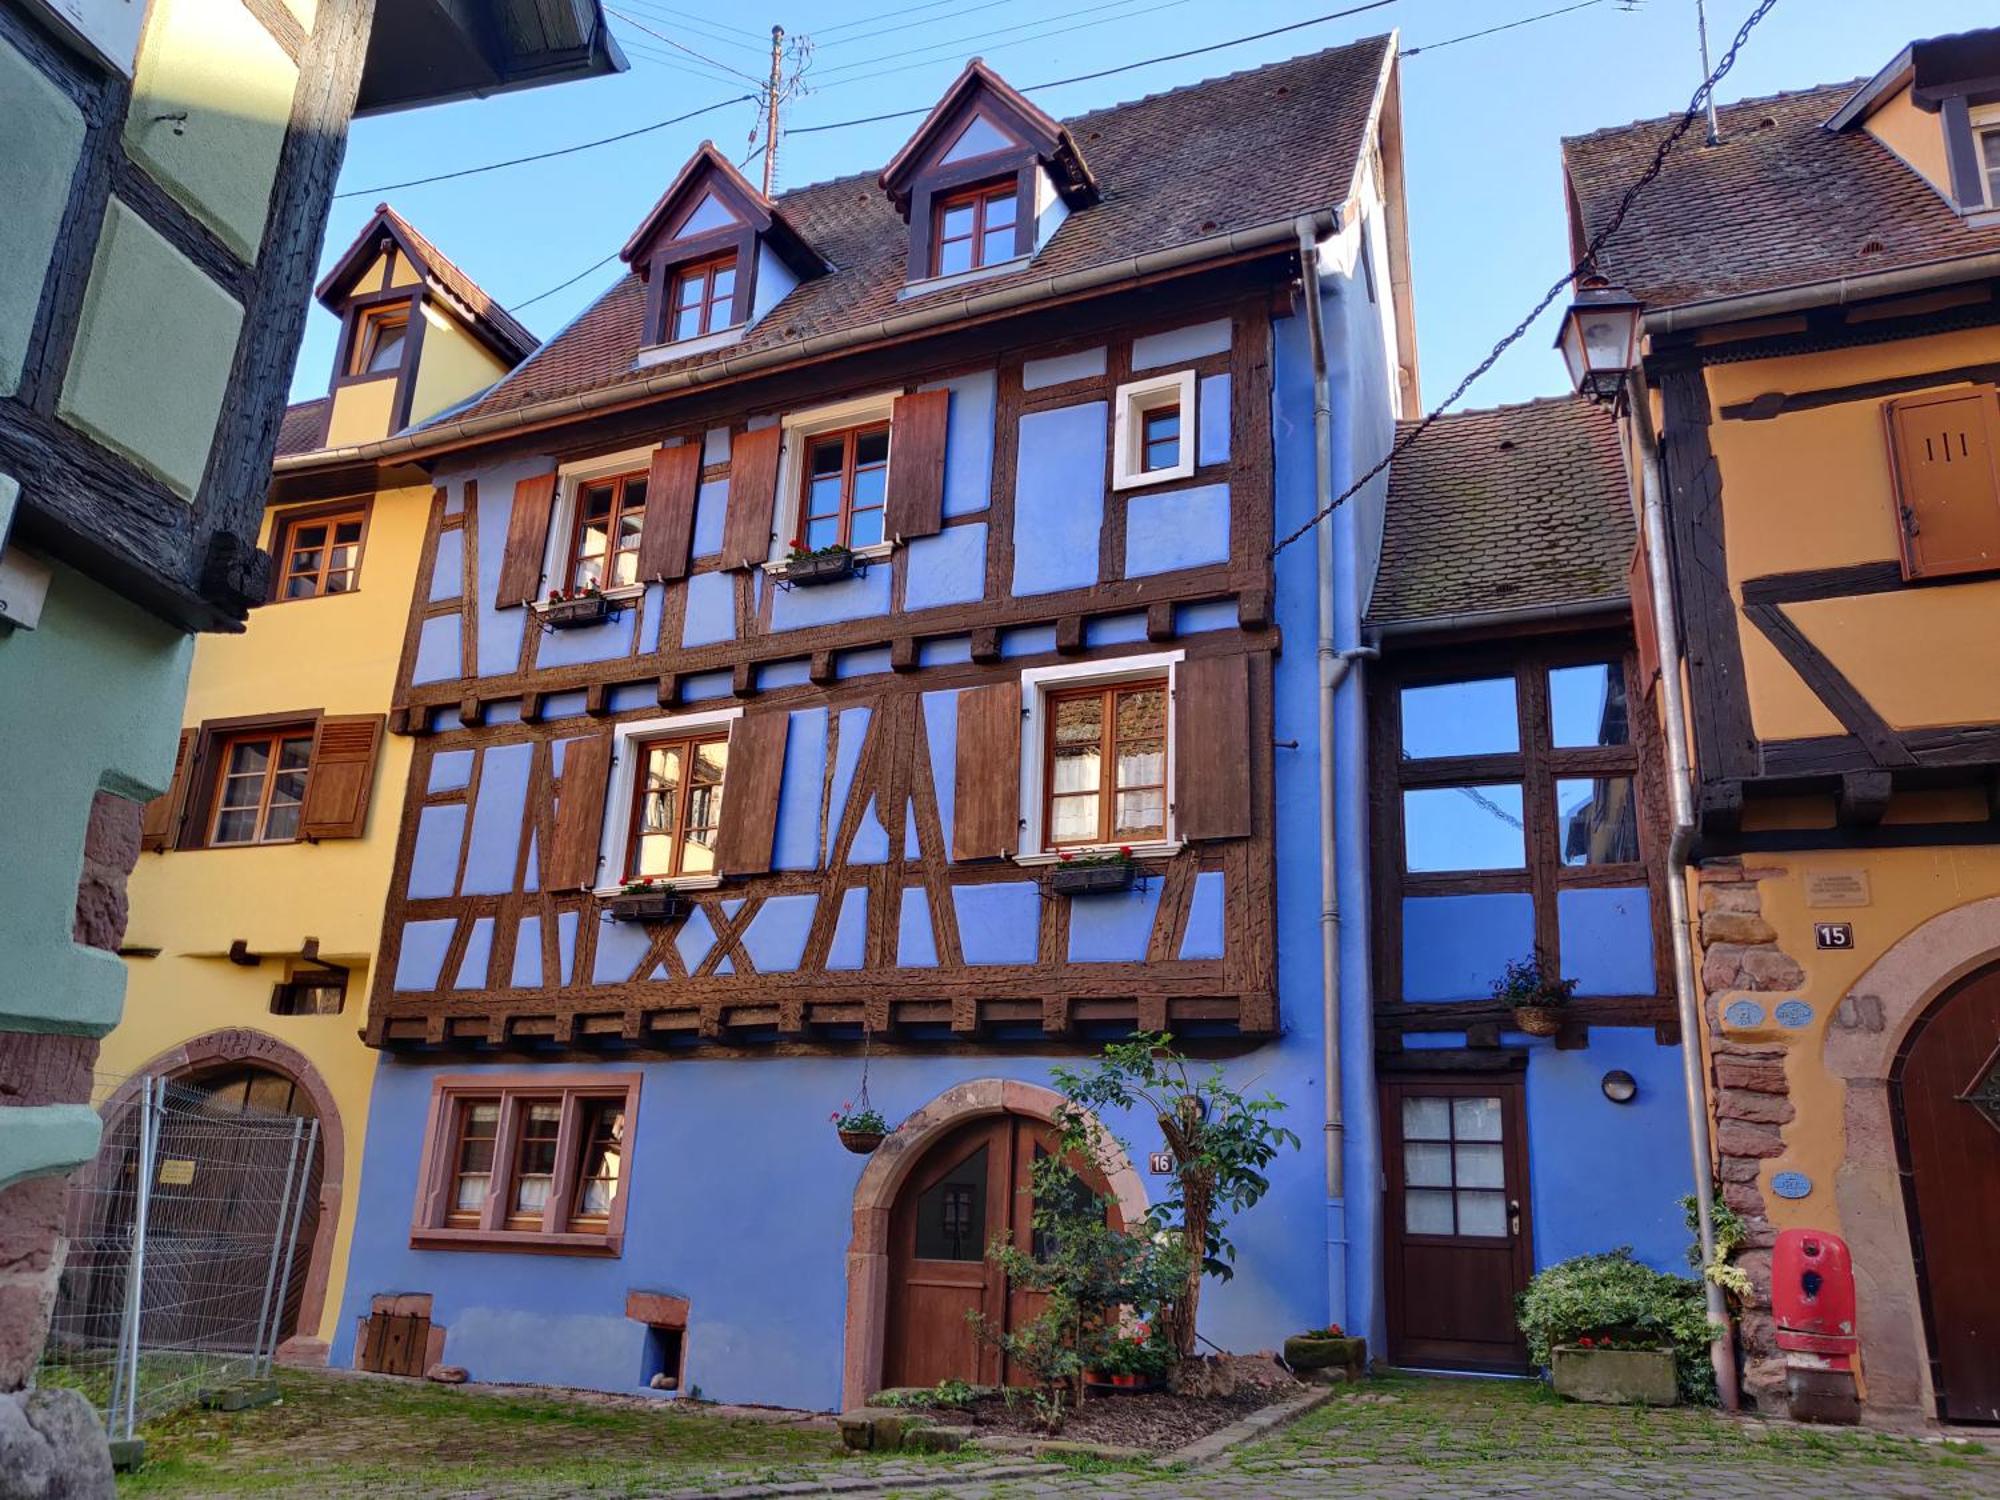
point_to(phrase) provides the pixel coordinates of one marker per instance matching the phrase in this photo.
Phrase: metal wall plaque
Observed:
(1791, 1185)
(1744, 1013)
(1794, 1013)
(1837, 888)
(1161, 1163)
(1833, 934)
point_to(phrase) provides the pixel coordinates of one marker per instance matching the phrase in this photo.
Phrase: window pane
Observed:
(1142, 712)
(471, 1195)
(535, 1160)
(242, 791)
(996, 245)
(249, 756)
(236, 827)
(871, 447)
(1142, 763)
(1000, 210)
(603, 1135)
(387, 353)
(1597, 821)
(282, 822)
(956, 222)
(1463, 828)
(724, 285)
(1141, 815)
(823, 532)
(823, 497)
(827, 455)
(954, 256)
(1461, 718)
(1073, 820)
(1587, 706)
(869, 487)
(866, 529)
(1483, 1215)
(301, 586)
(1426, 1165)
(687, 323)
(1426, 1119)
(1480, 1166)
(1426, 1211)
(951, 1214)
(690, 290)
(1476, 1119)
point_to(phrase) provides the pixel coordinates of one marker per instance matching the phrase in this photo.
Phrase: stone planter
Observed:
(861, 1142)
(1614, 1377)
(1092, 879)
(570, 614)
(644, 906)
(1338, 1357)
(817, 568)
(1538, 1020)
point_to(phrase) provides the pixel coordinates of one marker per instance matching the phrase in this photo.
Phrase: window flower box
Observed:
(645, 903)
(1614, 1377)
(563, 611)
(810, 569)
(1093, 875)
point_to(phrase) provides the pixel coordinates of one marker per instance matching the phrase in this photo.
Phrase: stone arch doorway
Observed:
(237, 1069)
(1881, 1017)
(925, 1153)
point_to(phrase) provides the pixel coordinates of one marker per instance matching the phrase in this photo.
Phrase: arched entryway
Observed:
(1945, 1094)
(955, 1161)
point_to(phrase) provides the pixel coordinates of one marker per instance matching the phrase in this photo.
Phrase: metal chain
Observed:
(1597, 242)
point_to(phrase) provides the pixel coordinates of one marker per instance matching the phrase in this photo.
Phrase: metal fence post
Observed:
(296, 1210)
(277, 1242)
(155, 1095)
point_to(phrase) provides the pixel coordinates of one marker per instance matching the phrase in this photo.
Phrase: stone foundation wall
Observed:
(1749, 1094)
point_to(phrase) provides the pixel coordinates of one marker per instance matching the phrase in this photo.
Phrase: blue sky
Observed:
(1482, 124)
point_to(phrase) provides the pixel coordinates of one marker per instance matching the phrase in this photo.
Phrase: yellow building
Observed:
(256, 909)
(1821, 296)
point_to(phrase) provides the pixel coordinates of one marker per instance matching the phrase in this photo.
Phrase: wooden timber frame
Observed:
(1050, 1001)
(1864, 766)
(195, 565)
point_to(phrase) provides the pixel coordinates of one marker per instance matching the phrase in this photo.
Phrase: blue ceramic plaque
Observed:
(1791, 1185)
(1744, 1013)
(1794, 1013)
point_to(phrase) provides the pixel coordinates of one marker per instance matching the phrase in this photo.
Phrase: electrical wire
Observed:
(1453, 41)
(515, 161)
(704, 27)
(987, 40)
(680, 46)
(659, 58)
(883, 16)
(1583, 262)
(563, 285)
(963, 10)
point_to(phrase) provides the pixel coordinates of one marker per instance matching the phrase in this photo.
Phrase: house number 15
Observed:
(1833, 934)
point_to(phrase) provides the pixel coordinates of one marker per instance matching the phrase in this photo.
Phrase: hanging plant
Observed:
(1537, 998)
(860, 1123)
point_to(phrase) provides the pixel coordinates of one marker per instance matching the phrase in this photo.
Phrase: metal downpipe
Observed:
(1722, 1353)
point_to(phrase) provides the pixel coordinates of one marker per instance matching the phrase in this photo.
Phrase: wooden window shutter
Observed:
(917, 425)
(671, 486)
(1947, 456)
(572, 861)
(750, 789)
(527, 541)
(1211, 789)
(986, 814)
(1639, 583)
(753, 493)
(161, 819)
(343, 770)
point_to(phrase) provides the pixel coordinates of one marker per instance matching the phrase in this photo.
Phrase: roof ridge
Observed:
(1748, 101)
(1561, 398)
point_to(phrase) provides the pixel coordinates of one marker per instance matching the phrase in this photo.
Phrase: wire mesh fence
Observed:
(183, 1267)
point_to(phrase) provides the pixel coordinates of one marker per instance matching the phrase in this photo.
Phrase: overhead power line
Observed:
(563, 285)
(680, 46)
(1694, 111)
(1453, 41)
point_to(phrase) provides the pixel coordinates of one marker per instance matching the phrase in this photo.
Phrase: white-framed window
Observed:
(1097, 757)
(833, 479)
(1986, 150)
(1152, 436)
(664, 800)
(599, 517)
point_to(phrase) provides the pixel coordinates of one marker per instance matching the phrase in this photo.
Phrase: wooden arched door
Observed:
(971, 1188)
(1947, 1106)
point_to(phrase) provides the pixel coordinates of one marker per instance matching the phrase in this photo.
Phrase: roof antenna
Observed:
(1701, 26)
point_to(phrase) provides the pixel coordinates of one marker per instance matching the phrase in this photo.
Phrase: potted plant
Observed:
(1093, 874)
(565, 609)
(1327, 1349)
(861, 1130)
(803, 568)
(1609, 1329)
(1537, 998)
(645, 899)
(1134, 1361)
(1619, 1368)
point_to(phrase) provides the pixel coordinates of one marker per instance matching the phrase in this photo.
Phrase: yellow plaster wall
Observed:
(339, 654)
(451, 365)
(1814, 489)
(401, 272)
(1917, 137)
(361, 412)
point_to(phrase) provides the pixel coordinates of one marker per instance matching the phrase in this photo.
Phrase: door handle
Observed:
(1514, 1217)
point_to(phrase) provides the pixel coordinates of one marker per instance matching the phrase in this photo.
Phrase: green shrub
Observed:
(1591, 1295)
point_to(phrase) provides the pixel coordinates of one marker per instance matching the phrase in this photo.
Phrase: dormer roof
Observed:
(484, 316)
(980, 113)
(1934, 69)
(710, 195)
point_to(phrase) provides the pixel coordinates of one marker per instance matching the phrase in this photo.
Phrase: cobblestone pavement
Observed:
(1405, 1439)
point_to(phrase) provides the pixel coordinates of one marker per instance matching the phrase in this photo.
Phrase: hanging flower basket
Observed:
(860, 1126)
(1538, 1020)
(862, 1142)
(1537, 999)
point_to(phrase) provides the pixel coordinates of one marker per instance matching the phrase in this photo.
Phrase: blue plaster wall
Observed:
(854, 598)
(1173, 529)
(1060, 369)
(1059, 497)
(948, 568)
(447, 573)
(711, 609)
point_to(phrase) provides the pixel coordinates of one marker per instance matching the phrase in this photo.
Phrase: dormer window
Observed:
(1986, 139)
(379, 338)
(704, 297)
(976, 228)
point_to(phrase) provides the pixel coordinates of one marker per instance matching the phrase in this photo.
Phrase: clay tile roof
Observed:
(495, 319)
(303, 427)
(1781, 202)
(1226, 154)
(1506, 508)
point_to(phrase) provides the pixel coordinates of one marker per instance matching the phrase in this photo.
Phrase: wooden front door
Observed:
(971, 1188)
(1456, 1232)
(1947, 1106)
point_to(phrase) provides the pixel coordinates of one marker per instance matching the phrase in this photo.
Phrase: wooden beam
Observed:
(1864, 798)
(1842, 699)
(1778, 403)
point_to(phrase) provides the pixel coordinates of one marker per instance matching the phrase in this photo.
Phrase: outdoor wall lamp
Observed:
(1619, 1086)
(1599, 339)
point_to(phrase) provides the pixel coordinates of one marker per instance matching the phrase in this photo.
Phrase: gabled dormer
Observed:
(1937, 107)
(715, 255)
(985, 182)
(417, 335)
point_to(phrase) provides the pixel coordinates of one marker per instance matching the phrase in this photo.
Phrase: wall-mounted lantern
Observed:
(1619, 1086)
(1599, 339)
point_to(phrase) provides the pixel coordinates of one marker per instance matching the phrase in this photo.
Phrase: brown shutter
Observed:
(671, 486)
(1212, 748)
(753, 492)
(986, 794)
(916, 464)
(572, 860)
(527, 541)
(1639, 584)
(163, 814)
(1947, 454)
(751, 783)
(343, 770)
